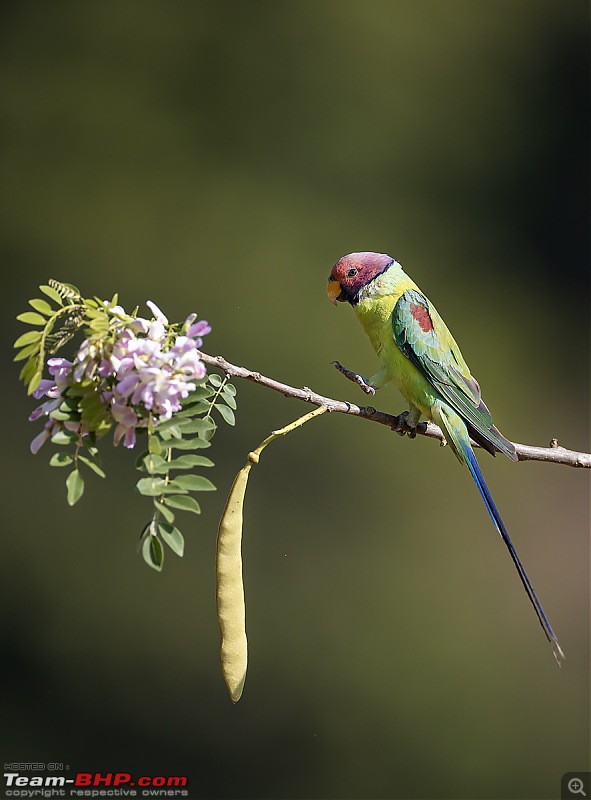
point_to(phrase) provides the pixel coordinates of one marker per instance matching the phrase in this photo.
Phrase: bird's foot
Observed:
(356, 378)
(406, 424)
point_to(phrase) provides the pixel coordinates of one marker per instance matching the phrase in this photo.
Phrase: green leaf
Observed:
(27, 338)
(215, 380)
(94, 467)
(31, 318)
(93, 411)
(95, 313)
(185, 444)
(229, 388)
(64, 437)
(99, 325)
(166, 512)
(154, 487)
(62, 416)
(152, 464)
(226, 413)
(151, 487)
(189, 461)
(173, 538)
(199, 425)
(81, 388)
(209, 433)
(174, 432)
(154, 445)
(42, 306)
(69, 404)
(60, 460)
(193, 410)
(184, 502)
(47, 290)
(194, 483)
(26, 352)
(29, 370)
(75, 486)
(197, 395)
(168, 425)
(172, 487)
(229, 399)
(34, 382)
(153, 552)
(146, 530)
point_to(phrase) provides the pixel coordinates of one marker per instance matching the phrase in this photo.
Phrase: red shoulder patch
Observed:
(421, 315)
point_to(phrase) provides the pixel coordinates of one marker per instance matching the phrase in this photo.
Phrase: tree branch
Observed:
(525, 452)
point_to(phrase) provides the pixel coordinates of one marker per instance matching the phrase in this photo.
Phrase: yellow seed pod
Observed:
(230, 589)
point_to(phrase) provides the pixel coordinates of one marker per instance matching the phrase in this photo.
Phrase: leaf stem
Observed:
(254, 455)
(215, 397)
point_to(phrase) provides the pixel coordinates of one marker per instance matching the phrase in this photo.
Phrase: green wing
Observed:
(423, 337)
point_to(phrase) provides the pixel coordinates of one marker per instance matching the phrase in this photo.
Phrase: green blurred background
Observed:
(219, 157)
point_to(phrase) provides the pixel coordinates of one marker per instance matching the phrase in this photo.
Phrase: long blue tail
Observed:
(474, 468)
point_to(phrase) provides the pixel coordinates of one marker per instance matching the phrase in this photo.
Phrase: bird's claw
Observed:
(355, 377)
(404, 425)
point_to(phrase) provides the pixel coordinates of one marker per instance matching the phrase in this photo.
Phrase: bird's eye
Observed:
(352, 272)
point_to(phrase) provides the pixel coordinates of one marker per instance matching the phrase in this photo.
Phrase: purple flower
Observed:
(105, 368)
(45, 408)
(126, 386)
(150, 377)
(43, 388)
(127, 421)
(42, 437)
(61, 369)
(135, 370)
(199, 329)
(156, 311)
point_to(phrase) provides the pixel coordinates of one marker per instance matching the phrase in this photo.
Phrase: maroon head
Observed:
(351, 273)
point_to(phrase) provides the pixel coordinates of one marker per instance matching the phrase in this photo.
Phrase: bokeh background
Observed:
(219, 157)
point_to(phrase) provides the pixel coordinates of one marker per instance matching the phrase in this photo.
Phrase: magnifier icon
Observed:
(575, 786)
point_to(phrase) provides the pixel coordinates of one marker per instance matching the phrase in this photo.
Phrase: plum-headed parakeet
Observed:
(419, 355)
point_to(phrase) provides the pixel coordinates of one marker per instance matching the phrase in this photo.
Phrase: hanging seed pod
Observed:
(230, 588)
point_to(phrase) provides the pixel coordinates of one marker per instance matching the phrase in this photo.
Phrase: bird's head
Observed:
(351, 273)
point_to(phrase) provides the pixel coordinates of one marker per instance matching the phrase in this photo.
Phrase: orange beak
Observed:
(333, 290)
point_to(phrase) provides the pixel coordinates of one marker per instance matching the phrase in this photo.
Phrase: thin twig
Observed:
(525, 452)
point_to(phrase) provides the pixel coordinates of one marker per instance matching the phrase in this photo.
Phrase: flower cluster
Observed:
(61, 371)
(139, 368)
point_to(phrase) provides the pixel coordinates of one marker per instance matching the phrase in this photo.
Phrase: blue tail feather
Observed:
(474, 468)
